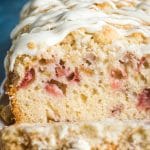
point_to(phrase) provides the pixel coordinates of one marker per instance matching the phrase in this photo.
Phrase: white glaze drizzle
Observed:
(64, 16)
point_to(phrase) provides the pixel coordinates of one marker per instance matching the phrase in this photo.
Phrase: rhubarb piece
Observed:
(56, 88)
(144, 99)
(74, 76)
(116, 84)
(28, 78)
(53, 90)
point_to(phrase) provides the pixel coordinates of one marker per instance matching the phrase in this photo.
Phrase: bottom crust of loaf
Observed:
(103, 135)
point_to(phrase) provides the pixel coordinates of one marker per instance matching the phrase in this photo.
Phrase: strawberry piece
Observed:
(74, 76)
(53, 89)
(144, 99)
(116, 84)
(139, 65)
(28, 78)
(61, 71)
(117, 75)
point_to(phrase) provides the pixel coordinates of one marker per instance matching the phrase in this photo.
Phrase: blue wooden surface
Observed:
(9, 15)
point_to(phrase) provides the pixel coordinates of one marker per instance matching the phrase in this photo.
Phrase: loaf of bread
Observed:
(75, 60)
(105, 135)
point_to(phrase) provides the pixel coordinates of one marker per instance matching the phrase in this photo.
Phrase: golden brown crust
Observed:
(27, 114)
(21, 112)
(16, 111)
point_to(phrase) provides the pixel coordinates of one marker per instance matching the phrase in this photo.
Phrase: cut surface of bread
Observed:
(104, 135)
(77, 61)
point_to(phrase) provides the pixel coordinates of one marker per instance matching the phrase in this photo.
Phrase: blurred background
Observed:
(9, 17)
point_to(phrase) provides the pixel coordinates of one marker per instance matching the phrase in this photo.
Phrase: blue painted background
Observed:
(9, 16)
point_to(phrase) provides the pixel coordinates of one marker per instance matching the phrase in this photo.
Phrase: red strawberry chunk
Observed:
(116, 84)
(117, 76)
(144, 99)
(28, 78)
(53, 89)
(141, 62)
(61, 71)
(74, 76)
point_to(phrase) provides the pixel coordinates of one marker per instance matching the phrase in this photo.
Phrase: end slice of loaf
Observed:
(110, 135)
(77, 61)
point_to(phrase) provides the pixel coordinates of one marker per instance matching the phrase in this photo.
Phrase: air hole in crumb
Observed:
(100, 81)
(94, 91)
(101, 73)
(88, 62)
(61, 62)
(78, 113)
(83, 97)
(67, 106)
(99, 101)
(146, 64)
(36, 88)
(43, 61)
(86, 86)
(134, 94)
(75, 92)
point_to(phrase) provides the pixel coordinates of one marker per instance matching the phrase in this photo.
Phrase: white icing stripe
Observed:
(51, 20)
(24, 23)
(48, 38)
(138, 14)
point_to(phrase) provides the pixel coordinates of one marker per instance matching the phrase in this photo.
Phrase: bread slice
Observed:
(105, 135)
(77, 61)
